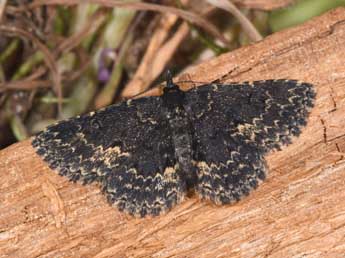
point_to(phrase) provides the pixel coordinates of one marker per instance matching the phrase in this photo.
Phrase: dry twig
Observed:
(188, 16)
(48, 56)
(248, 27)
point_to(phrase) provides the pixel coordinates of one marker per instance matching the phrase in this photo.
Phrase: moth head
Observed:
(172, 95)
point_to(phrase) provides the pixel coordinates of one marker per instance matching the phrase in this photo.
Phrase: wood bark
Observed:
(298, 211)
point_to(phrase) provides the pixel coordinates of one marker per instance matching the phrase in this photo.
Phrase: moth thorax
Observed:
(173, 96)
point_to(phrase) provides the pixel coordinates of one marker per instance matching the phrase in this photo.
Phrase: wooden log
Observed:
(298, 211)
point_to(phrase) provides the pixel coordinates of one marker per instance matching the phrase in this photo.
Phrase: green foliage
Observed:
(300, 12)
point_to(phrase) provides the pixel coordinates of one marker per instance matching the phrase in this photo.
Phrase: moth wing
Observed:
(235, 125)
(126, 147)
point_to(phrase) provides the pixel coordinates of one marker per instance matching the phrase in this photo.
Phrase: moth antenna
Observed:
(169, 83)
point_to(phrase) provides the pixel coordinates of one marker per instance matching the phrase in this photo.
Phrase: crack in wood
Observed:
(324, 130)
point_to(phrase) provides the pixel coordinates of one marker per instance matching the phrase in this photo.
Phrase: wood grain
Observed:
(299, 211)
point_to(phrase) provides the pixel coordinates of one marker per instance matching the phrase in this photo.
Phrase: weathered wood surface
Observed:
(299, 211)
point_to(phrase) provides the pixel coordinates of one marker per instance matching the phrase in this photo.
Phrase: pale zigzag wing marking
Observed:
(285, 105)
(235, 125)
(126, 147)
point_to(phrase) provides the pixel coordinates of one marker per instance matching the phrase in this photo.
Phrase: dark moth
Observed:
(148, 153)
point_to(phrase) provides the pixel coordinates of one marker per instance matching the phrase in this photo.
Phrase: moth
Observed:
(147, 153)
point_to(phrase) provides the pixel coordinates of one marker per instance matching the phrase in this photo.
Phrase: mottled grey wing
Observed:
(127, 147)
(235, 125)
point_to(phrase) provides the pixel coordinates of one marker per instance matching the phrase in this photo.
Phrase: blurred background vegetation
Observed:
(62, 58)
